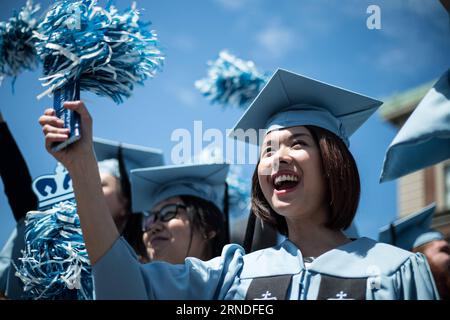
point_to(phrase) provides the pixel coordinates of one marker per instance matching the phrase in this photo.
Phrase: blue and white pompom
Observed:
(55, 264)
(231, 81)
(17, 45)
(107, 52)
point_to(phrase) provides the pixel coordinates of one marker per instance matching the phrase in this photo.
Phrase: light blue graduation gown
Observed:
(383, 271)
(11, 285)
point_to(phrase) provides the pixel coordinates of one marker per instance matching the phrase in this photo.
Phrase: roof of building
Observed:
(402, 103)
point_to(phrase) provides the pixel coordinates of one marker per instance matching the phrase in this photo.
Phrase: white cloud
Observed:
(277, 40)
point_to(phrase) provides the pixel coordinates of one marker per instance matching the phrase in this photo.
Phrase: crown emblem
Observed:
(52, 189)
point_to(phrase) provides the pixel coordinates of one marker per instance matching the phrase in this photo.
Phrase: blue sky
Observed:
(323, 39)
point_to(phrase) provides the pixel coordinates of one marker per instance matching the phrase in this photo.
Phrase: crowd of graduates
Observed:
(116, 222)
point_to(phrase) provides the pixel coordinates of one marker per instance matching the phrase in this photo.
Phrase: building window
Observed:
(447, 185)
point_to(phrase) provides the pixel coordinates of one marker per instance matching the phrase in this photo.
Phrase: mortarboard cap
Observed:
(424, 139)
(289, 99)
(411, 231)
(133, 156)
(149, 186)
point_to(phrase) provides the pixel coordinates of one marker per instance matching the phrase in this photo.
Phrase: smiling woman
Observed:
(313, 154)
(307, 179)
(186, 217)
(184, 226)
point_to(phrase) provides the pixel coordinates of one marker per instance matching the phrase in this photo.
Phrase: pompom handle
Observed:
(70, 92)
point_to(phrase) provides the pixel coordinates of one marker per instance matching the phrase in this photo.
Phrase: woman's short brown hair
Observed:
(341, 174)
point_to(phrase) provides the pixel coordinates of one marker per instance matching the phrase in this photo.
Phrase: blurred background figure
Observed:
(334, 45)
(17, 186)
(419, 157)
(115, 161)
(438, 256)
(414, 233)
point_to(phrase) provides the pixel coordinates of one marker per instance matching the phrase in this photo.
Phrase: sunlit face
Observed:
(170, 241)
(112, 192)
(438, 256)
(290, 174)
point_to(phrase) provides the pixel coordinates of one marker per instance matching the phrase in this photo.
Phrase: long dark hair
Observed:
(133, 234)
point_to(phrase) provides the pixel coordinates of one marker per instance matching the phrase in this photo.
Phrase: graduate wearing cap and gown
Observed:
(327, 265)
(107, 152)
(414, 233)
(185, 208)
(115, 161)
(423, 140)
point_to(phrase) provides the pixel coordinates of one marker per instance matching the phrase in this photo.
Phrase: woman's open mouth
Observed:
(158, 239)
(284, 182)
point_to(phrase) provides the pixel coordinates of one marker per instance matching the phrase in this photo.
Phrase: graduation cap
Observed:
(119, 159)
(152, 185)
(411, 231)
(149, 186)
(289, 99)
(133, 156)
(424, 139)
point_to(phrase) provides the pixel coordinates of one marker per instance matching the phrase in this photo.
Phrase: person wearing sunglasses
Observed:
(186, 219)
(306, 184)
